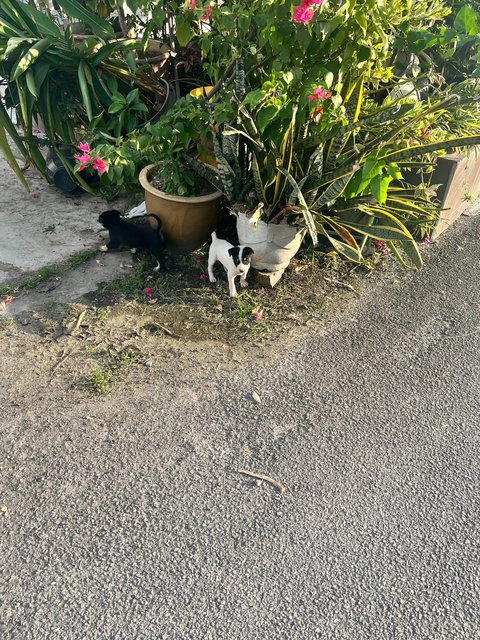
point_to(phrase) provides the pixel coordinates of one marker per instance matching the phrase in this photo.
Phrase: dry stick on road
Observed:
(260, 476)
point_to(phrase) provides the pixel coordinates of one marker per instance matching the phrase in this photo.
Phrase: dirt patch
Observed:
(144, 321)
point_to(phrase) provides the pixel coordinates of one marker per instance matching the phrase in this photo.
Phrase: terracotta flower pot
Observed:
(274, 245)
(187, 222)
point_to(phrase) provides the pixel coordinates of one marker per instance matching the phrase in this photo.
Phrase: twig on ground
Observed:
(260, 476)
(157, 325)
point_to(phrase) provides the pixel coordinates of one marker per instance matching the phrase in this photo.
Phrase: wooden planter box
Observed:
(459, 178)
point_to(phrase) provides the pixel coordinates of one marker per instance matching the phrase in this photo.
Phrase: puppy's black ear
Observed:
(234, 253)
(247, 252)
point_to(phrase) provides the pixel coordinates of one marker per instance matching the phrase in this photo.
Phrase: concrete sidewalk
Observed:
(46, 227)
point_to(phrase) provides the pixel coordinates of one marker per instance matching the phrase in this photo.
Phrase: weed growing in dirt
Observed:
(47, 272)
(98, 381)
(29, 283)
(80, 258)
(102, 377)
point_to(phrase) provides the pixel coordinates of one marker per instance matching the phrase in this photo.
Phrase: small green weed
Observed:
(98, 381)
(102, 377)
(80, 258)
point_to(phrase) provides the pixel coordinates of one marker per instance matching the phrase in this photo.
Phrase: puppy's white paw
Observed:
(213, 279)
(104, 248)
(243, 284)
(133, 250)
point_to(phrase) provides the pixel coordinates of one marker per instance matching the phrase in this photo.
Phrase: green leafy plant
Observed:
(181, 132)
(48, 78)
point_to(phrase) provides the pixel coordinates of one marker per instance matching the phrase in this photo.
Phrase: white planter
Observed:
(274, 245)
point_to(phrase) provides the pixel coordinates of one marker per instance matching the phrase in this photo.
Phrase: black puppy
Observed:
(144, 233)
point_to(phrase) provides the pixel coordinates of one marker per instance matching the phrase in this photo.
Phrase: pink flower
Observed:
(192, 4)
(80, 168)
(148, 292)
(258, 315)
(8, 300)
(199, 261)
(36, 132)
(207, 14)
(203, 276)
(319, 2)
(302, 14)
(84, 146)
(319, 93)
(82, 158)
(426, 240)
(99, 165)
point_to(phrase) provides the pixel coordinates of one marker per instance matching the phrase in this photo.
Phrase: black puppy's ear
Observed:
(234, 253)
(247, 252)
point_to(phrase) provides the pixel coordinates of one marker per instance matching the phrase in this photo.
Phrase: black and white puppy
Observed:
(235, 260)
(144, 233)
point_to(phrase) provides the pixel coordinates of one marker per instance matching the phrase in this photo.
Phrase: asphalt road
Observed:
(128, 517)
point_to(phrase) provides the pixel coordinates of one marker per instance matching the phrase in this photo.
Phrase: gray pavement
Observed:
(127, 517)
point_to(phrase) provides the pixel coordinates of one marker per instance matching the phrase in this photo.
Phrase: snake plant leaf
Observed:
(260, 189)
(412, 252)
(354, 101)
(332, 192)
(239, 79)
(411, 249)
(397, 255)
(10, 158)
(445, 145)
(99, 26)
(314, 175)
(351, 253)
(30, 57)
(205, 172)
(343, 232)
(307, 215)
(379, 232)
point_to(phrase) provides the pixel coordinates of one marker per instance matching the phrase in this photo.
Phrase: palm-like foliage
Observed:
(46, 76)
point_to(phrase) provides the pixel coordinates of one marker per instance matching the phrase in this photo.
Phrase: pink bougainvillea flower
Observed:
(84, 146)
(207, 14)
(319, 93)
(203, 276)
(99, 165)
(36, 132)
(148, 292)
(258, 315)
(192, 4)
(319, 2)
(426, 240)
(8, 300)
(82, 158)
(80, 168)
(302, 14)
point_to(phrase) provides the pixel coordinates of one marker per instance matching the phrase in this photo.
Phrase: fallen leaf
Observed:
(256, 397)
